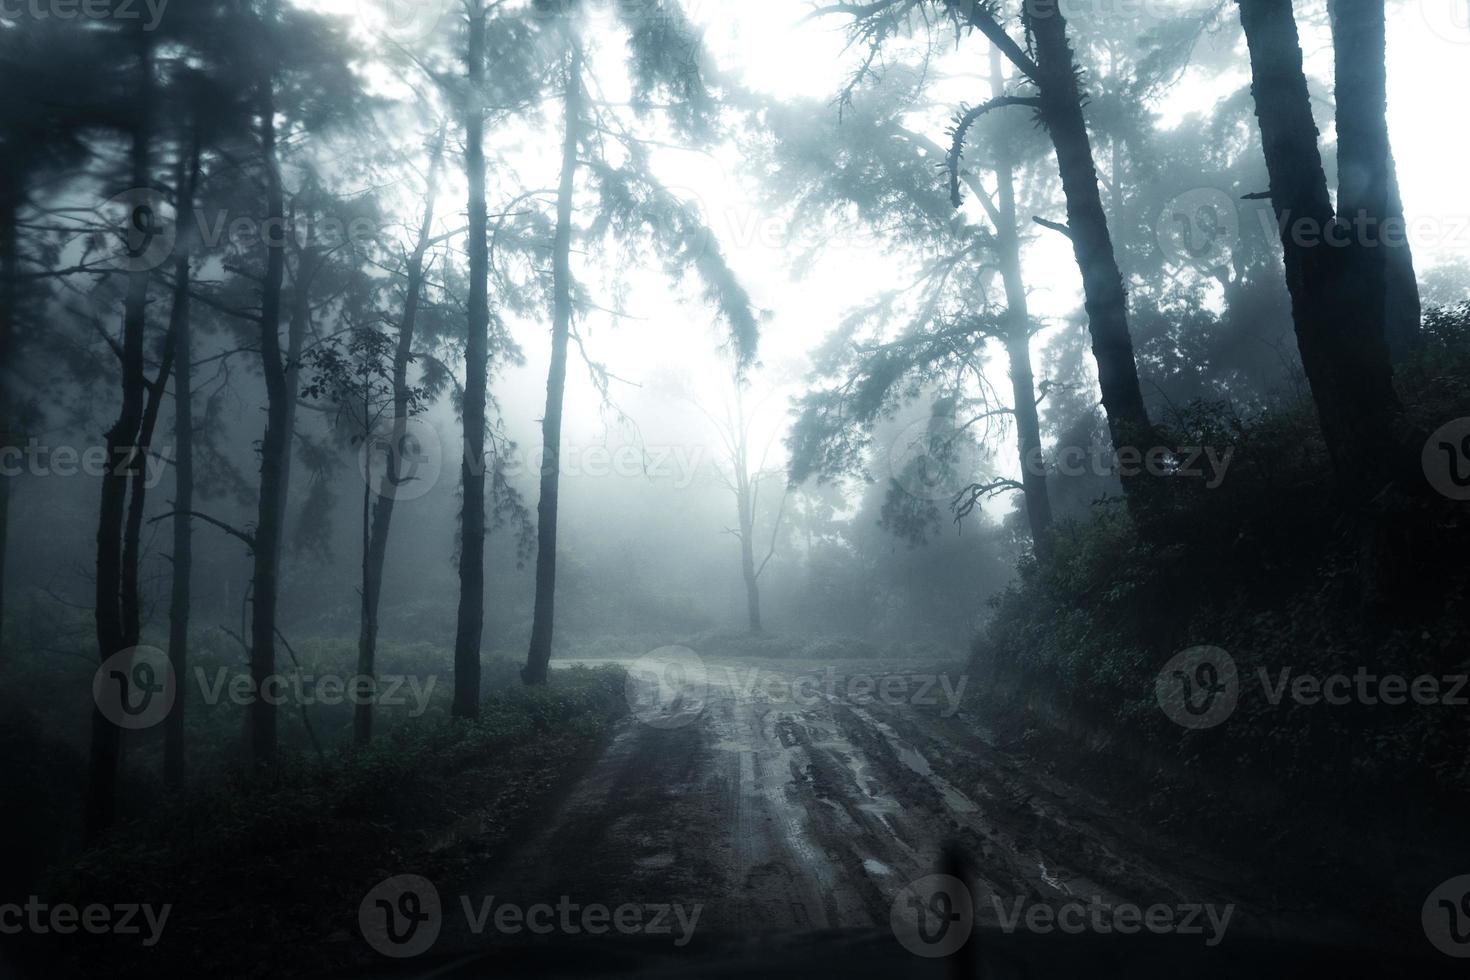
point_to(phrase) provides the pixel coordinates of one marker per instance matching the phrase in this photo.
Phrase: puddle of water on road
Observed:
(875, 867)
(662, 860)
(1052, 879)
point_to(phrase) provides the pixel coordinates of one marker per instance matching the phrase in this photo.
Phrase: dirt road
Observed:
(783, 796)
(780, 818)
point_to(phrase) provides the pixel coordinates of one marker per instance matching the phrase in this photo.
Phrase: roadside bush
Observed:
(1267, 568)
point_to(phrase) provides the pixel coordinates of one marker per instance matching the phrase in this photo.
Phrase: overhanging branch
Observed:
(961, 129)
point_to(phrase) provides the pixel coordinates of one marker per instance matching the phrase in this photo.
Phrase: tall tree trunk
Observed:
(1367, 185)
(183, 528)
(275, 445)
(10, 198)
(131, 596)
(1337, 290)
(375, 554)
(471, 620)
(1018, 338)
(746, 506)
(538, 659)
(1092, 245)
(309, 262)
(122, 448)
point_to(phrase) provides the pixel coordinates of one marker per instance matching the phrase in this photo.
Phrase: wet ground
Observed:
(788, 796)
(781, 798)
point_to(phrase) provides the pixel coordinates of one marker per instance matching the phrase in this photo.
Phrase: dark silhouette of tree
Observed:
(405, 402)
(665, 56)
(539, 657)
(1367, 183)
(471, 619)
(1336, 279)
(1058, 101)
(953, 314)
(180, 330)
(744, 471)
(360, 378)
(116, 587)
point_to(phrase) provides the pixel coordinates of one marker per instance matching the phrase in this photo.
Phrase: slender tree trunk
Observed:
(1337, 290)
(1405, 310)
(275, 445)
(309, 262)
(122, 448)
(376, 540)
(538, 660)
(131, 597)
(1018, 339)
(183, 528)
(10, 197)
(745, 504)
(471, 619)
(1102, 284)
(1367, 185)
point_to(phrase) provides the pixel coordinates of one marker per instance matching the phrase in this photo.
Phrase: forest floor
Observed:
(784, 799)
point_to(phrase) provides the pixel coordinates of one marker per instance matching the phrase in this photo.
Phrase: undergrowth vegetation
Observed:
(1259, 568)
(427, 795)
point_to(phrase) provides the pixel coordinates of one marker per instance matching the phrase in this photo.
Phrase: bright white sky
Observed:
(775, 49)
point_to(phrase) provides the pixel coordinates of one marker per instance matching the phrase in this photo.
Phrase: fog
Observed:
(891, 474)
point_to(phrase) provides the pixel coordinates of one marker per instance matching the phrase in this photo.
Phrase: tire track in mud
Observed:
(780, 814)
(1068, 841)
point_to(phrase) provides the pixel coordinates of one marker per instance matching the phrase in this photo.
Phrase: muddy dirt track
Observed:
(782, 800)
